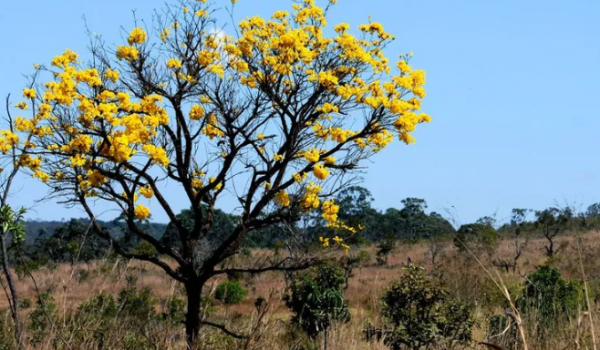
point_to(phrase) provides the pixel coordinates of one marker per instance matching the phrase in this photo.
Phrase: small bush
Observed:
(421, 313)
(101, 306)
(136, 304)
(230, 292)
(548, 294)
(316, 299)
(476, 238)
(24, 303)
(41, 318)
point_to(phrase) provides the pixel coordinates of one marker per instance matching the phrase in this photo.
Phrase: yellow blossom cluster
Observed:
(330, 211)
(212, 129)
(141, 212)
(282, 198)
(93, 120)
(320, 171)
(311, 197)
(196, 112)
(147, 191)
(338, 240)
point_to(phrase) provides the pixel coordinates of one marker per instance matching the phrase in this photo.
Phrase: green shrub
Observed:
(176, 311)
(230, 292)
(136, 304)
(24, 303)
(385, 248)
(101, 306)
(477, 237)
(316, 299)
(421, 313)
(548, 294)
(40, 318)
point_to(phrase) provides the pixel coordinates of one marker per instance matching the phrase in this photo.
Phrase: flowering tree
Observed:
(278, 116)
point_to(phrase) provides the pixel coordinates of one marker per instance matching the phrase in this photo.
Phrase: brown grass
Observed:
(463, 276)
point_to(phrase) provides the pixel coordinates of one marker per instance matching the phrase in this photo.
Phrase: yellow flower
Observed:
(337, 240)
(342, 27)
(157, 154)
(330, 211)
(77, 160)
(128, 53)
(141, 212)
(346, 248)
(277, 157)
(299, 177)
(282, 198)
(29, 93)
(173, 63)
(260, 136)
(112, 75)
(329, 160)
(211, 129)
(197, 184)
(147, 191)
(218, 186)
(22, 105)
(137, 36)
(320, 171)
(311, 197)
(312, 156)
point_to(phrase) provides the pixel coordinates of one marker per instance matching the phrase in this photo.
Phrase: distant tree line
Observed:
(69, 241)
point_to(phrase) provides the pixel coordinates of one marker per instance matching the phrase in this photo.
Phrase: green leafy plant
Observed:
(547, 293)
(316, 299)
(480, 236)
(230, 292)
(385, 248)
(421, 314)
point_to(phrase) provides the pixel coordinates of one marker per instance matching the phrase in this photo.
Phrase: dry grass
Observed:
(464, 277)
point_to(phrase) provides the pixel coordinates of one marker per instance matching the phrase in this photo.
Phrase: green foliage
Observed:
(549, 295)
(99, 307)
(552, 222)
(316, 299)
(136, 304)
(70, 242)
(176, 311)
(41, 318)
(421, 313)
(480, 236)
(385, 248)
(145, 248)
(12, 223)
(222, 226)
(230, 292)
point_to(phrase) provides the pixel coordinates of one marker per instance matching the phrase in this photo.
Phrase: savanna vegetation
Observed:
(282, 116)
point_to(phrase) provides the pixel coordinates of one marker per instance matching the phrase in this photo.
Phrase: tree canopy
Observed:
(275, 113)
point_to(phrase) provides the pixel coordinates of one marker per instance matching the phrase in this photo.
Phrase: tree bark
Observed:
(192, 317)
(14, 307)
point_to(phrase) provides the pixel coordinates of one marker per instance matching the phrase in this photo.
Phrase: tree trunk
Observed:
(192, 316)
(14, 307)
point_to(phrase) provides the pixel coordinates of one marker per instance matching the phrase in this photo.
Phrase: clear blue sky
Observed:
(512, 86)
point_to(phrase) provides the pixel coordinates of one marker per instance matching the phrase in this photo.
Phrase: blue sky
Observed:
(512, 87)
